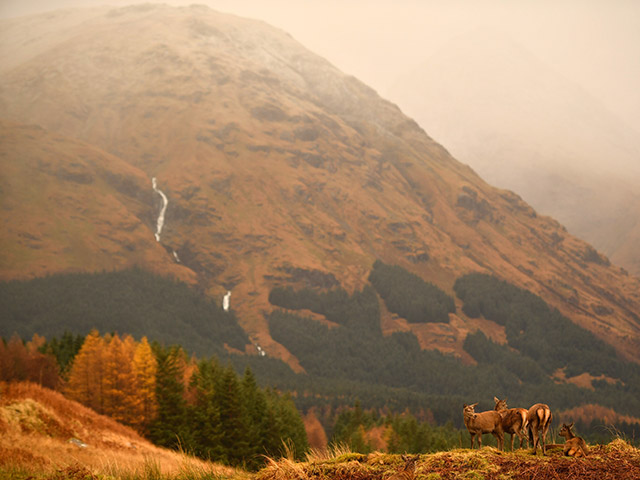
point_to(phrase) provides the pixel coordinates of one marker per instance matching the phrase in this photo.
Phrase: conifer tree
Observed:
(204, 414)
(233, 424)
(119, 381)
(170, 428)
(259, 420)
(64, 350)
(145, 368)
(85, 377)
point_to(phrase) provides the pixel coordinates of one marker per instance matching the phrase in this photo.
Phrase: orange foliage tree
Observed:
(145, 367)
(85, 377)
(20, 362)
(115, 377)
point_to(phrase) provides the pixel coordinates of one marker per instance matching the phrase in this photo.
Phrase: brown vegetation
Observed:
(41, 431)
(618, 461)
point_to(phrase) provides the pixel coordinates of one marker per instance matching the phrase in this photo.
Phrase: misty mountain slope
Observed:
(67, 206)
(524, 127)
(281, 170)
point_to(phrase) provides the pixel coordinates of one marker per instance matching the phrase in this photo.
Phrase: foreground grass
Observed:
(618, 460)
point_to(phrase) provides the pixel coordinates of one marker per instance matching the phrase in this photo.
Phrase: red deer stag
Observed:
(484, 422)
(573, 446)
(538, 422)
(514, 420)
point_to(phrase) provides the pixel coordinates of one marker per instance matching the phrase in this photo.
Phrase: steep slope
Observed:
(522, 126)
(67, 206)
(279, 169)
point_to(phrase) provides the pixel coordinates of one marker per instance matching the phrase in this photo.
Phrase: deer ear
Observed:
(474, 405)
(465, 405)
(495, 399)
(570, 426)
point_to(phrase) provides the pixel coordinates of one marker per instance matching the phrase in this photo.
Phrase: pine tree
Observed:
(170, 427)
(233, 424)
(289, 425)
(204, 413)
(259, 420)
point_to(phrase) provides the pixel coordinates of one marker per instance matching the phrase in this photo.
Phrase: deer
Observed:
(538, 422)
(408, 469)
(483, 422)
(573, 446)
(514, 420)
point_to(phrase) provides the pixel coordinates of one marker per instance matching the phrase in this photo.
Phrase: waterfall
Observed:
(165, 202)
(225, 301)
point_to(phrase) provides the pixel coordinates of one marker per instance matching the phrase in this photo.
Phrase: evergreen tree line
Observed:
(365, 431)
(207, 409)
(349, 354)
(407, 295)
(545, 342)
(133, 301)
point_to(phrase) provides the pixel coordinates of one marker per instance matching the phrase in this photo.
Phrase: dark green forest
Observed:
(409, 296)
(131, 301)
(352, 361)
(229, 419)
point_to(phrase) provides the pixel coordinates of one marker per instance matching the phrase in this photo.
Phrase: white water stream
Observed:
(165, 202)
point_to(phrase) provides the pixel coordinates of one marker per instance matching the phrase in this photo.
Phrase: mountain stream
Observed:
(165, 202)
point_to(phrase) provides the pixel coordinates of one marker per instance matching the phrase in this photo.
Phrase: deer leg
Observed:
(544, 439)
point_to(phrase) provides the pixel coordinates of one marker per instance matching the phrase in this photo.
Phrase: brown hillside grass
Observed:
(618, 460)
(43, 433)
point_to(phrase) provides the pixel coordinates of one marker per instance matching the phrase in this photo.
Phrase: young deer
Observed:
(538, 422)
(514, 420)
(484, 422)
(573, 446)
(408, 470)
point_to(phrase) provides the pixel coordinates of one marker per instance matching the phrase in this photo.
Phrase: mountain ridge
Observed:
(523, 126)
(281, 170)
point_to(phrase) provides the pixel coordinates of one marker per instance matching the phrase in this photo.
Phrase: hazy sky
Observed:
(593, 42)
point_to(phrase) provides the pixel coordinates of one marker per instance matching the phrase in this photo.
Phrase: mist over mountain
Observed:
(279, 170)
(524, 127)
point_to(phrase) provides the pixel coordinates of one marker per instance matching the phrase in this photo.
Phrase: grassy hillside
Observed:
(45, 436)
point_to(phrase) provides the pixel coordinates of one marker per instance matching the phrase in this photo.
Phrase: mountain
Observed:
(278, 169)
(524, 127)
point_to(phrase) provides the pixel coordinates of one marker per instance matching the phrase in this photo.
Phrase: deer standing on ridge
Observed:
(538, 422)
(573, 446)
(514, 420)
(483, 422)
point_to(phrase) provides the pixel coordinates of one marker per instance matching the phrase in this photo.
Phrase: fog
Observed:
(595, 43)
